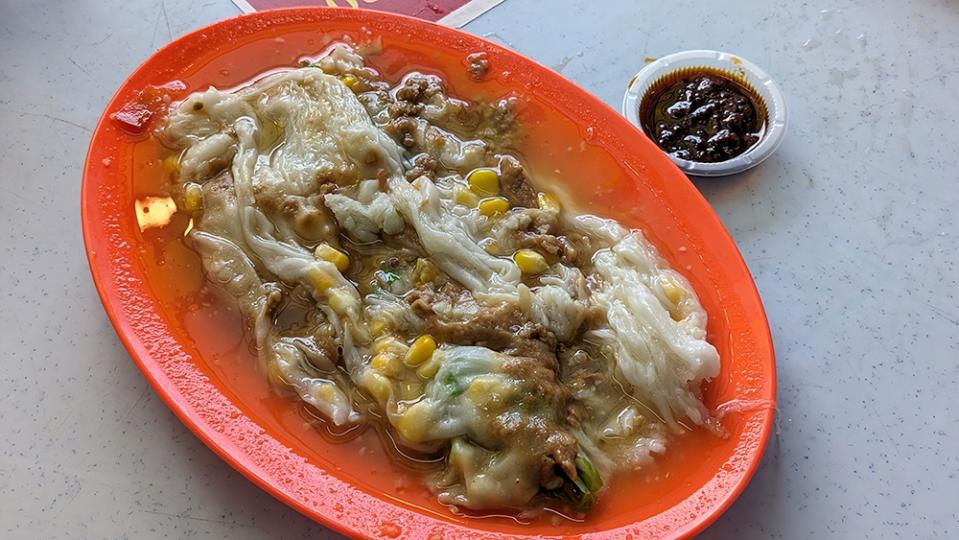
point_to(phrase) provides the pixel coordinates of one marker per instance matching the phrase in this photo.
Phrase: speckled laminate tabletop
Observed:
(850, 231)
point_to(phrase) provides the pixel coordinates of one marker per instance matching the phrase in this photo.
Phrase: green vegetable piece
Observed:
(387, 279)
(588, 474)
(580, 492)
(455, 388)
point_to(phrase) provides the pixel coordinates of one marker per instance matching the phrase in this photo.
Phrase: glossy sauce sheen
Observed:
(703, 115)
(223, 350)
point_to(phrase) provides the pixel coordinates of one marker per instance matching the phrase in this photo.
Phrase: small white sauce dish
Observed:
(759, 80)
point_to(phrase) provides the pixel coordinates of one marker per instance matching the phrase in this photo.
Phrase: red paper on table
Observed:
(454, 13)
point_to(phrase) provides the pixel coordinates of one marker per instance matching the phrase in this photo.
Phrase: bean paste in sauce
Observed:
(703, 115)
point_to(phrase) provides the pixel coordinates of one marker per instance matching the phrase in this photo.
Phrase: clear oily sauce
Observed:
(703, 115)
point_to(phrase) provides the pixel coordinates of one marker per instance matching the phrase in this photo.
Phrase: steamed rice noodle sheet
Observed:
(440, 295)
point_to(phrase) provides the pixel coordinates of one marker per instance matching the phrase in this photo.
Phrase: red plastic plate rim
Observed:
(246, 446)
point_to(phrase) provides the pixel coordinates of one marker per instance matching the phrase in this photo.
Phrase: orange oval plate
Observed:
(573, 141)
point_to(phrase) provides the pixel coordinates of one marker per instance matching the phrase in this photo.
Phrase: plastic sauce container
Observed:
(732, 67)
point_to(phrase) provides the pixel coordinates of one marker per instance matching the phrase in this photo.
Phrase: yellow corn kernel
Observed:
(386, 364)
(383, 344)
(328, 253)
(340, 300)
(377, 385)
(484, 182)
(465, 197)
(493, 205)
(530, 262)
(428, 369)
(359, 332)
(380, 362)
(350, 81)
(674, 293)
(424, 272)
(171, 163)
(421, 350)
(414, 423)
(320, 280)
(461, 453)
(483, 389)
(549, 202)
(377, 327)
(325, 392)
(193, 197)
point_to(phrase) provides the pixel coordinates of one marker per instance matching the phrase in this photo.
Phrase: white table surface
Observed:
(849, 230)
